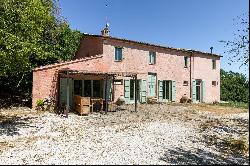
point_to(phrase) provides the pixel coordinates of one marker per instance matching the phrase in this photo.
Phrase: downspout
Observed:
(190, 84)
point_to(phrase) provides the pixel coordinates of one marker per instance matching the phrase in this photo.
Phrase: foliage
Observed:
(238, 48)
(234, 87)
(32, 34)
(235, 104)
(239, 146)
(40, 103)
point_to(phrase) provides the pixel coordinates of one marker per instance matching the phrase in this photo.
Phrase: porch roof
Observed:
(102, 73)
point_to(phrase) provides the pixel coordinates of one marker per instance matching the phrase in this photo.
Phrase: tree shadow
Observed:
(201, 157)
(10, 126)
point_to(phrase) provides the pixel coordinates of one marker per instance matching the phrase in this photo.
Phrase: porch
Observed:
(95, 85)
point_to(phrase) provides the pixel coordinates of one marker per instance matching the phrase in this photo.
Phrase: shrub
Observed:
(40, 103)
(237, 145)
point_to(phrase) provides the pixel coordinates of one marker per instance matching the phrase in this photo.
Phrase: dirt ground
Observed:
(157, 134)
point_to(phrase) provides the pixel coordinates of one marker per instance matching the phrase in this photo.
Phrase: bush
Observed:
(40, 104)
(239, 146)
(234, 87)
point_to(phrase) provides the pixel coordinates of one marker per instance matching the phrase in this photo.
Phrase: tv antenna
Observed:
(106, 6)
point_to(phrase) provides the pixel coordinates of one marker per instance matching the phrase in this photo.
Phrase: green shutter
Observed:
(63, 91)
(149, 57)
(149, 85)
(194, 91)
(127, 90)
(109, 89)
(173, 90)
(154, 58)
(143, 88)
(160, 90)
(203, 91)
(71, 87)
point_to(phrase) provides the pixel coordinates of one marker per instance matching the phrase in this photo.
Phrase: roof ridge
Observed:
(67, 62)
(154, 45)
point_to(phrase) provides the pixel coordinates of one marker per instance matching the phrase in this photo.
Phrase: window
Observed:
(167, 90)
(186, 61)
(87, 88)
(214, 63)
(97, 88)
(214, 83)
(117, 82)
(118, 54)
(78, 87)
(152, 57)
(185, 83)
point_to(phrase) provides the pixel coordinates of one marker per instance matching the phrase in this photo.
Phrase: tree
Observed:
(238, 48)
(234, 87)
(32, 33)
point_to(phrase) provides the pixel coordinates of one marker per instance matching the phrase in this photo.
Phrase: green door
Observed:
(151, 85)
(173, 90)
(160, 90)
(194, 91)
(143, 88)
(63, 91)
(109, 90)
(127, 90)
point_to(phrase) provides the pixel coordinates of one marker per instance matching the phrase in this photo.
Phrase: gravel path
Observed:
(162, 135)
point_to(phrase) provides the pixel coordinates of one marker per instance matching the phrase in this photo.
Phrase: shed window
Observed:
(118, 53)
(152, 57)
(185, 61)
(214, 63)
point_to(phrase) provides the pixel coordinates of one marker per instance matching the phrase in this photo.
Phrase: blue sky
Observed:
(189, 24)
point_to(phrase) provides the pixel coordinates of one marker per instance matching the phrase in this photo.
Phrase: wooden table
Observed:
(96, 100)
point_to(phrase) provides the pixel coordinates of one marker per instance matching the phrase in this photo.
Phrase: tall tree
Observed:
(238, 48)
(234, 87)
(32, 33)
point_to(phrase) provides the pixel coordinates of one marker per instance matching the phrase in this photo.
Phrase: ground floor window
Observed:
(132, 89)
(97, 88)
(78, 87)
(88, 88)
(167, 90)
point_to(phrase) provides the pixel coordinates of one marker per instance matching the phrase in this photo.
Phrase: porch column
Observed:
(67, 96)
(106, 88)
(113, 88)
(136, 93)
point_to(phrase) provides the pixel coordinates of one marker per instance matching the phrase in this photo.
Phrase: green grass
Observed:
(235, 104)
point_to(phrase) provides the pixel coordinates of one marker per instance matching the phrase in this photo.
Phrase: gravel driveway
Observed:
(156, 134)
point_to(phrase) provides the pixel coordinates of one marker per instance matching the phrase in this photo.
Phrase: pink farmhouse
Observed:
(162, 72)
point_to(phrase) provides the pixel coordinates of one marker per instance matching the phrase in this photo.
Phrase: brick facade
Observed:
(98, 52)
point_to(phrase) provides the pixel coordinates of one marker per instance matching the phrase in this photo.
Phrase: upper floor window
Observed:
(214, 63)
(118, 54)
(185, 61)
(214, 83)
(152, 57)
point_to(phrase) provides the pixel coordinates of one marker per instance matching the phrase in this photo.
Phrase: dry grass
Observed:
(237, 146)
(7, 115)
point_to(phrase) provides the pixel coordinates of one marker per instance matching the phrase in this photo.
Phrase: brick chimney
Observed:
(105, 31)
